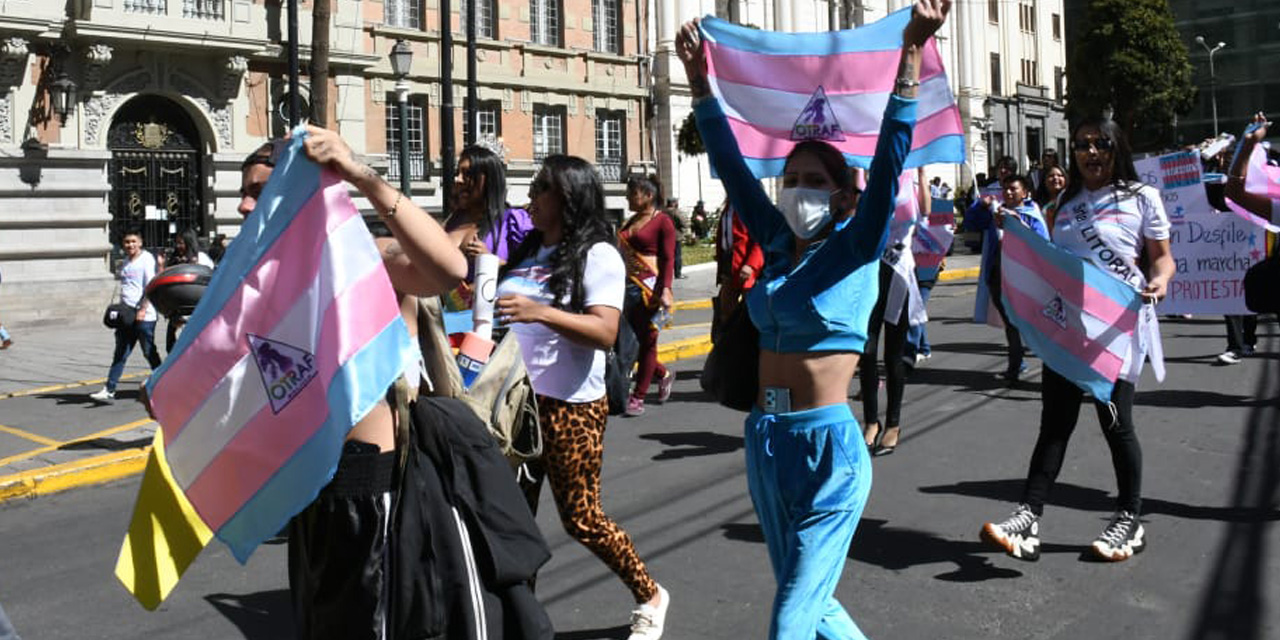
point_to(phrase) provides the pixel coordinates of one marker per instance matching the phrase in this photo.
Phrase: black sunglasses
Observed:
(1101, 144)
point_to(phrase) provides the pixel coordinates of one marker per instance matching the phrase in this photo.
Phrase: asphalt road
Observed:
(674, 479)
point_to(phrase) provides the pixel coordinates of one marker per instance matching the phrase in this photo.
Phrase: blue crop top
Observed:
(824, 301)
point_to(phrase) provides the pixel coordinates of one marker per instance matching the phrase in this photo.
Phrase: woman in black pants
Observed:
(1108, 217)
(897, 308)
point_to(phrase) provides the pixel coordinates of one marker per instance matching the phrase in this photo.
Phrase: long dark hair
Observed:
(487, 163)
(649, 184)
(192, 254)
(1124, 176)
(1042, 196)
(585, 224)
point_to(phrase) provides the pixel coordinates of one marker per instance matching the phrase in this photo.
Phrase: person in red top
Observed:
(738, 263)
(648, 244)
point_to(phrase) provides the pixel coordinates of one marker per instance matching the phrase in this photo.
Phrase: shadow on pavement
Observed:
(898, 549)
(696, 395)
(1233, 605)
(611, 633)
(693, 443)
(81, 397)
(1072, 496)
(993, 348)
(1193, 399)
(971, 381)
(259, 616)
(107, 444)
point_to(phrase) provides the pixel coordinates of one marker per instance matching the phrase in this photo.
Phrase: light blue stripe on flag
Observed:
(883, 35)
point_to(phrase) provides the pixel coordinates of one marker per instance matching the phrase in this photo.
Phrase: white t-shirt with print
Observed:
(1108, 226)
(559, 367)
(134, 277)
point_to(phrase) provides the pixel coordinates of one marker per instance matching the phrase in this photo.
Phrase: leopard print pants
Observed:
(572, 454)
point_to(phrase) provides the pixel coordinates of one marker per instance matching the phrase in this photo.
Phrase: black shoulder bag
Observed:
(731, 373)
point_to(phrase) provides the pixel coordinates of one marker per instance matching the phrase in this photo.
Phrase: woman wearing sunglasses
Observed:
(562, 294)
(1108, 217)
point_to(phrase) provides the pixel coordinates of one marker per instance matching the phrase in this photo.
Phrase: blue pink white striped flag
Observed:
(1263, 178)
(781, 88)
(933, 237)
(1076, 317)
(296, 339)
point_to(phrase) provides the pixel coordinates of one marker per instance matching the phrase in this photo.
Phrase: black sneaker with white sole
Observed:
(1018, 535)
(1121, 539)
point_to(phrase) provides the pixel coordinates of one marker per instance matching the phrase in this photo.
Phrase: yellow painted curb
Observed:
(113, 466)
(959, 274)
(691, 305)
(69, 385)
(80, 473)
(681, 349)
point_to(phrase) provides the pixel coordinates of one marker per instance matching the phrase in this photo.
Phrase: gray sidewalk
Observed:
(54, 437)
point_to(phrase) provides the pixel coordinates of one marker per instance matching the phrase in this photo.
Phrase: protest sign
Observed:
(1211, 249)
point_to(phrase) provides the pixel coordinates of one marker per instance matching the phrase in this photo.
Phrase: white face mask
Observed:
(807, 211)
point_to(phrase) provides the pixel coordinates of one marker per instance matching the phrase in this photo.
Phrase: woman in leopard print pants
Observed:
(562, 291)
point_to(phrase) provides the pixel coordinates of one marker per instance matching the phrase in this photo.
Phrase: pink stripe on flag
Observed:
(267, 440)
(1092, 352)
(260, 302)
(1250, 217)
(1264, 179)
(863, 72)
(1074, 291)
(756, 141)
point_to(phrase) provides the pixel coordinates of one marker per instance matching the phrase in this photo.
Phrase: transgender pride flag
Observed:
(296, 339)
(1263, 179)
(933, 237)
(778, 89)
(1076, 317)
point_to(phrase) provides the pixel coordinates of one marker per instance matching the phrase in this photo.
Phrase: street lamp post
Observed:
(1213, 78)
(401, 61)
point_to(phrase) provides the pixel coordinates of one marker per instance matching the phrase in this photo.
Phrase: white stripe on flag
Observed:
(856, 112)
(240, 395)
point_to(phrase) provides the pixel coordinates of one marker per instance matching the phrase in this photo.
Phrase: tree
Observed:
(688, 139)
(319, 72)
(1129, 58)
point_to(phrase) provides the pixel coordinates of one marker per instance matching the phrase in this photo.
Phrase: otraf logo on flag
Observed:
(1056, 311)
(285, 369)
(817, 121)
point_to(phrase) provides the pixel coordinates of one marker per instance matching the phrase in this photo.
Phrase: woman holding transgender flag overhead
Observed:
(1108, 217)
(808, 470)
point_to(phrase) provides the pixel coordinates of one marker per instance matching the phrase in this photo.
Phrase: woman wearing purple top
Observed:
(479, 219)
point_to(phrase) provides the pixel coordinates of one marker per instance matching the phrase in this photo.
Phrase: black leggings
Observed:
(1058, 416)
(1011, 334)
(896, 369)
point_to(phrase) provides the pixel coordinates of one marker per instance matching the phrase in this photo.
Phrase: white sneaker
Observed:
(103, 396)
(647, 621)
(1228, 357)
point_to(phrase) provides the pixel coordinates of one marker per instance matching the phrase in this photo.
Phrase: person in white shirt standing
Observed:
(134, 277)
(561, 293)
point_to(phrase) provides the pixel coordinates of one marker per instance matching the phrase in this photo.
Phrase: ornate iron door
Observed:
(156, 183)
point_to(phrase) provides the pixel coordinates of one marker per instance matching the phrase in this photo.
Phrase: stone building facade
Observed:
(170, 95)
(1005, 59)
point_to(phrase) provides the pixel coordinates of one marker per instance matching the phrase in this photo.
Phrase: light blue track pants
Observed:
(809, 475)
